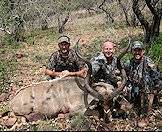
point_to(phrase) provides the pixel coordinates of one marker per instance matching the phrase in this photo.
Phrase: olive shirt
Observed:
(72, 63)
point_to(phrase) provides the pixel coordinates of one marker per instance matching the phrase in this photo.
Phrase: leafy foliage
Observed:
(8, 62)
(77, 122)
(5, 14)
(155, 51)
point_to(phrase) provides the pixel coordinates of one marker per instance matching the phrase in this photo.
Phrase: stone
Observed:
(9, 121)
(3, 97)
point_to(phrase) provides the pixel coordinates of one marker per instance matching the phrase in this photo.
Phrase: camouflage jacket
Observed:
(143, 73)
(72, 63)
(102, 71)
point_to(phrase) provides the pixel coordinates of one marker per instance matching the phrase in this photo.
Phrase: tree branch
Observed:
(152, 9)
(107, 13)
(139, 14)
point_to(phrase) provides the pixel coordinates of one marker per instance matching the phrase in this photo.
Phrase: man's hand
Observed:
(64, 74)
(83, 72)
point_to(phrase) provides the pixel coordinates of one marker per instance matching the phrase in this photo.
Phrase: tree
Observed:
(5, 15)
(125, 9)
(12, 21)
(151, 28)
(103, 6)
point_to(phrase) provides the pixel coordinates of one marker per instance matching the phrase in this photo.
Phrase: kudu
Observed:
(69, 94)
(50, 97)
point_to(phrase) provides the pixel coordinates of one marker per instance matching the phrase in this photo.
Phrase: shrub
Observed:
(8, 62)
(155, 51)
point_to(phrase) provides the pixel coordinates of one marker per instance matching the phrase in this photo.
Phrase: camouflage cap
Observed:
(63, 39)
(137, 44)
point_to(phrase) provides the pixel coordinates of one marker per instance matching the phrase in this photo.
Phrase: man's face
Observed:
(64, 48)
(108, 49)
(138, 53)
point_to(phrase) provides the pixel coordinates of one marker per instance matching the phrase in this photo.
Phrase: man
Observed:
(65, 62)
(106, 68)
(143, 76)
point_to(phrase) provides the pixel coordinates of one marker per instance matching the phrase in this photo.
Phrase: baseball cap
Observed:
(64, 39)
(137, 44)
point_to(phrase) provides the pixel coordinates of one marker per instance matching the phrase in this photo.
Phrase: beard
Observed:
(138, 57)
(107, 55)
(64, 53)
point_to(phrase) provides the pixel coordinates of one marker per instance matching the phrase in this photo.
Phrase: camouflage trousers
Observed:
(143, 103)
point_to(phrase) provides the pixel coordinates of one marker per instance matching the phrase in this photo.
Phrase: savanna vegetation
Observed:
(29, 30)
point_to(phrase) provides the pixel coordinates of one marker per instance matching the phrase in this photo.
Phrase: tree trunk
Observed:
(108, 15)
(125, 12)
(151, 30)
(134, 21)
(44, 24)
(19, 29)
(61, 23)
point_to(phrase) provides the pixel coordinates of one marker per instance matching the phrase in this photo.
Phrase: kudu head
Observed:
(88, 80)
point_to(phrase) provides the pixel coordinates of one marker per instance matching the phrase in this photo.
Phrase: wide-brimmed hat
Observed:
(63, 39)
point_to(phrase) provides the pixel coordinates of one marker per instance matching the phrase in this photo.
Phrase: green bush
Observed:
(7, 70)
(77, 121)
(155, 51)
(9, 41)
(44, 125)
(50, 35)
(8, 63)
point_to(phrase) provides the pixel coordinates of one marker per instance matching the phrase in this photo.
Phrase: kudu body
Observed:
(50, 97)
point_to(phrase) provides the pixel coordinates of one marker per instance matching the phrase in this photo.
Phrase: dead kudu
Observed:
(48, 98)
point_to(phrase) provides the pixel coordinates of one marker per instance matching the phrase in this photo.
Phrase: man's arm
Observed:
(81, 73)
(52, 73)
(50, 70)
(95, 66)
(154, 71)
